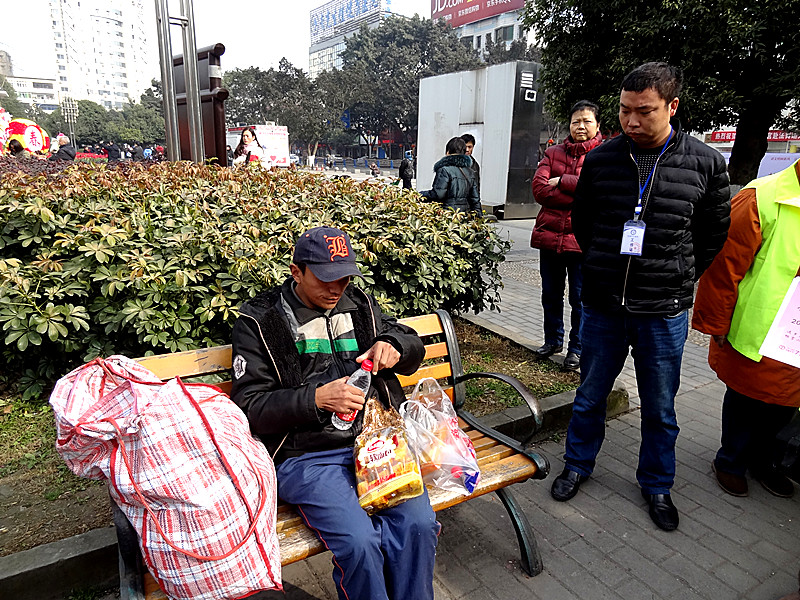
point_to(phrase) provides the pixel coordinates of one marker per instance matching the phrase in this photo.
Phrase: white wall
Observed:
(479, 102)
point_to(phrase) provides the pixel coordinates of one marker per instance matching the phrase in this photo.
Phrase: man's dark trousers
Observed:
(657, 347)
(388, 555)
(556, 268)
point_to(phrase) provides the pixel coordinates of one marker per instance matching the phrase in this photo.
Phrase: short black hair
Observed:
(468, 138)
(585, 105)
(301, 266)
(662, 77)
(456, 146)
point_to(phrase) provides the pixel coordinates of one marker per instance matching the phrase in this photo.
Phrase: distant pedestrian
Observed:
(559, 254)
(112, 151)
(137, 152)
(454, 184)
(374, 170)
(229, 154)
(17, 150)
(469, 140)
(66, 151)
(406, 170)
(651, 211)
(737, 301)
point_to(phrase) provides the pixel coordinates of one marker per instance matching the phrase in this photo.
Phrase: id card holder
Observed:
(632, 238)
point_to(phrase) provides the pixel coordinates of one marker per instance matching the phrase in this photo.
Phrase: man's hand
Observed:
(554, 181)
(719, 340)
(383, 356)
(338, 397)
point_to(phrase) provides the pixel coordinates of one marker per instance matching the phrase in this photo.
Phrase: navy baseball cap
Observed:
(327, 252)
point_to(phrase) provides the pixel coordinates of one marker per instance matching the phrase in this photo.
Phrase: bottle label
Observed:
(347, 417)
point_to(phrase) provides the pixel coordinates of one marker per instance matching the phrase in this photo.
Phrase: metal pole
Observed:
(168, 82)
(192, 83)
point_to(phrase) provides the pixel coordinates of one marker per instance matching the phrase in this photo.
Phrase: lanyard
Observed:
(638, 210)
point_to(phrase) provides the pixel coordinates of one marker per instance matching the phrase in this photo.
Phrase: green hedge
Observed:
(148, 259)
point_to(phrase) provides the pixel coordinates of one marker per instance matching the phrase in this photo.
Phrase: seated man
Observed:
(294, 347)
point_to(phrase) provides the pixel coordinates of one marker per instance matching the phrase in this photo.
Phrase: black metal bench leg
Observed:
(531, 558)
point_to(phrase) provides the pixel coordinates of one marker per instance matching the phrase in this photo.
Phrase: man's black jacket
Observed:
(274, 384)
(686, 213)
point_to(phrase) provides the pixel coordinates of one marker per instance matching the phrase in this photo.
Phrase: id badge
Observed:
(632, 238)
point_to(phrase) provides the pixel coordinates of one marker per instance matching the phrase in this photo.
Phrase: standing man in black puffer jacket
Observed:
(652, 209)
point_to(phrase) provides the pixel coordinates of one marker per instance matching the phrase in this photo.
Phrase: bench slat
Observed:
(435, 350)
(439, 371)
(190, 363)
(424, 325)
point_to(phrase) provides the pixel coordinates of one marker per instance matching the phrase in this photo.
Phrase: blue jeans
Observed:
(556, 268)
(389, 555)
(657, 348)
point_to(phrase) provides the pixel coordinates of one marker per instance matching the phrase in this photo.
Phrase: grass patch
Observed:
(482, 350)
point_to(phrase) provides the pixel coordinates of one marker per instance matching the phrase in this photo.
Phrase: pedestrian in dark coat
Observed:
(66, 151)
(652, 209)
(454, 184)
(112, 151)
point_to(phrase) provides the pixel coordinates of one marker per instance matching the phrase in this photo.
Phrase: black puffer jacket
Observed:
(275, 385)
(455, 184)
(686, 213)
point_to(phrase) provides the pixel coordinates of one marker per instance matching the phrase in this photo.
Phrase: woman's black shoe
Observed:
(547, 351)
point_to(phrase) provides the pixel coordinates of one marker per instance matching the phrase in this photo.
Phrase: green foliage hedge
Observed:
(150, 259)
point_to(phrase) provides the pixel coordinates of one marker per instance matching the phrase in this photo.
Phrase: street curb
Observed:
(55, 570)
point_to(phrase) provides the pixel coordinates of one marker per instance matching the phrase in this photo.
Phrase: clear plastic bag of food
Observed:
(387, 471)
(446, 454)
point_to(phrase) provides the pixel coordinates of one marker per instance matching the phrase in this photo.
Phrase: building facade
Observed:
(480, 22)
(103, 50)
(35, 91)
(336, 20)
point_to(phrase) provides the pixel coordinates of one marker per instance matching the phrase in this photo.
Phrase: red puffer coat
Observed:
(553, 229)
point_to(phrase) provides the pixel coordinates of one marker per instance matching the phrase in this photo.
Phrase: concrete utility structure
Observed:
(502, 107)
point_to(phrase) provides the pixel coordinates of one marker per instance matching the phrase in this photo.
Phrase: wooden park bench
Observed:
(503, 461)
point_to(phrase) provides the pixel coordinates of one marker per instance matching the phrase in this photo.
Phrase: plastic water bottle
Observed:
(361, 380)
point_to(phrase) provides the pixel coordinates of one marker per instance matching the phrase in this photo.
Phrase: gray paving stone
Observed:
(697, 579)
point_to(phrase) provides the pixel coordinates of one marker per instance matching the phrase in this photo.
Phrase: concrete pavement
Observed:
(602, 544)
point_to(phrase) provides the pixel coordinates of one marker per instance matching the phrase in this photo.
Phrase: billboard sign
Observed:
(462, 12)
(326, 19)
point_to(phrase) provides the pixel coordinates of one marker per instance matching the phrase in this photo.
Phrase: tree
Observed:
(497, 52)
(11, 103)
(741, 60)
(251, 94)
(387, 63)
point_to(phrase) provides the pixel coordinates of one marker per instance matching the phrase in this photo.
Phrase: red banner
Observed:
(774, 135)
(462, 12)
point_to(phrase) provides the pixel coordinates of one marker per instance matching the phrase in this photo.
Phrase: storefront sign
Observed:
(774, 135)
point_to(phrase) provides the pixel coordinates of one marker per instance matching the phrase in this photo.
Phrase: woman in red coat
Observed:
(559, 253)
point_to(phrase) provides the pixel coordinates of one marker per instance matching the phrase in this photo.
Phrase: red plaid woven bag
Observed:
(182, 465)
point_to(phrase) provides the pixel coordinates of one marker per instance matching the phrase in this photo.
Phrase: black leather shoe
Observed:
(662, 510)
(547, 350)
(566, 485)
(572, 362)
